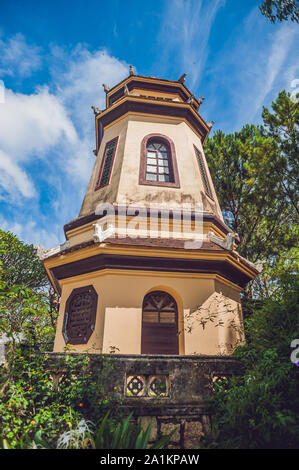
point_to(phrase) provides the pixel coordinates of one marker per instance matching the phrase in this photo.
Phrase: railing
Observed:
(166, 380)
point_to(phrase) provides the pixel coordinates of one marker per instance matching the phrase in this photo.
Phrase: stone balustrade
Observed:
(172, 391)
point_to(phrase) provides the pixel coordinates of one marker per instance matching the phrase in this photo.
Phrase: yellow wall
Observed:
(119, 313)
(109, 192)
(124, 184)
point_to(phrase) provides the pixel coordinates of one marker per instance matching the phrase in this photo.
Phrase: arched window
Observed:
(159, 324)
(158, 162)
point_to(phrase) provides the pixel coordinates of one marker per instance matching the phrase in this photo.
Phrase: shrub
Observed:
(29, 402)
(261, 408)
(110, 435)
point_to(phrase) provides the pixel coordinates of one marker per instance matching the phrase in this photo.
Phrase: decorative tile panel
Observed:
(136, 385)
(147, 386)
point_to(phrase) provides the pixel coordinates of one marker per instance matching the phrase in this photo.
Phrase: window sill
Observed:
(160, 183)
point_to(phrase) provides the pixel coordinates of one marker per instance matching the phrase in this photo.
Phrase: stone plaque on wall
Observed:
(80, 315)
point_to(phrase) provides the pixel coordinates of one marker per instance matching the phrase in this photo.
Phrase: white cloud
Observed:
(30, 127)
(30, 232)
(19, 58)
(281, 45)
(46, 142)
(13, 179)
(291, 73)
(60, 122)
(31, 124)
(184, 35)
(252, 65)
(78, 79)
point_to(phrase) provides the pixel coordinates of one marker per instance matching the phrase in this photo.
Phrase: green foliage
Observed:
(126, 435)
(28, 305)
(248, 203)
(261, 408)
(25, 312)
(282, 127)
(280, 10)
(110, 435)
(20, 265)
(29, 401)
(255, 172)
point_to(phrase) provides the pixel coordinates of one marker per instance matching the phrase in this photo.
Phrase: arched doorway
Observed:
(159, 324)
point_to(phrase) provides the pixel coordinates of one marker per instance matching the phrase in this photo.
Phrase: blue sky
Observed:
(54, 56)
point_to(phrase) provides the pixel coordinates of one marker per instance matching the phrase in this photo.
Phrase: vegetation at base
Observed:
(29, 402)
(127, 435)
(28, 311)
(34, 413)
(260, 409)
(111, 434)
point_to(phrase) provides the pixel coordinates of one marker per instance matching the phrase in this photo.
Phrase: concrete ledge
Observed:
(183, 403)
(188, 379)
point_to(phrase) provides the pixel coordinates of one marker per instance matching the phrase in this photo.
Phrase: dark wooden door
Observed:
(159, 324)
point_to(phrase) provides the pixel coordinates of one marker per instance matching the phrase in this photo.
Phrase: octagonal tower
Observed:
(149, 260)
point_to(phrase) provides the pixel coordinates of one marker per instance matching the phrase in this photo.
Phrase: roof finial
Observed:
(106, 87)
(211, 124)
(131, 70)
(200, 100)
(96, 110)
(190, 99)
(227, 243)
(182, 78)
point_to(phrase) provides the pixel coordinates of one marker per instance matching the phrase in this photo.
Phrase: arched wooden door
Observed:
(159, 324)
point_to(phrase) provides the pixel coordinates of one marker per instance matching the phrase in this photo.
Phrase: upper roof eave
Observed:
(150, 79)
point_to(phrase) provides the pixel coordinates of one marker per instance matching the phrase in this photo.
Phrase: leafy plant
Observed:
(20, 263)
(261, 408)
(126, 435)
(30, 403)
(78, 438)
(28, 305)
(255, 172)
(110, 435)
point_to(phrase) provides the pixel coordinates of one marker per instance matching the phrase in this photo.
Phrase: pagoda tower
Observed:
(149, 266)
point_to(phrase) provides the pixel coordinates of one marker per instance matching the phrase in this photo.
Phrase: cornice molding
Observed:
(101, 261)
(151, 107)
(122, 210)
